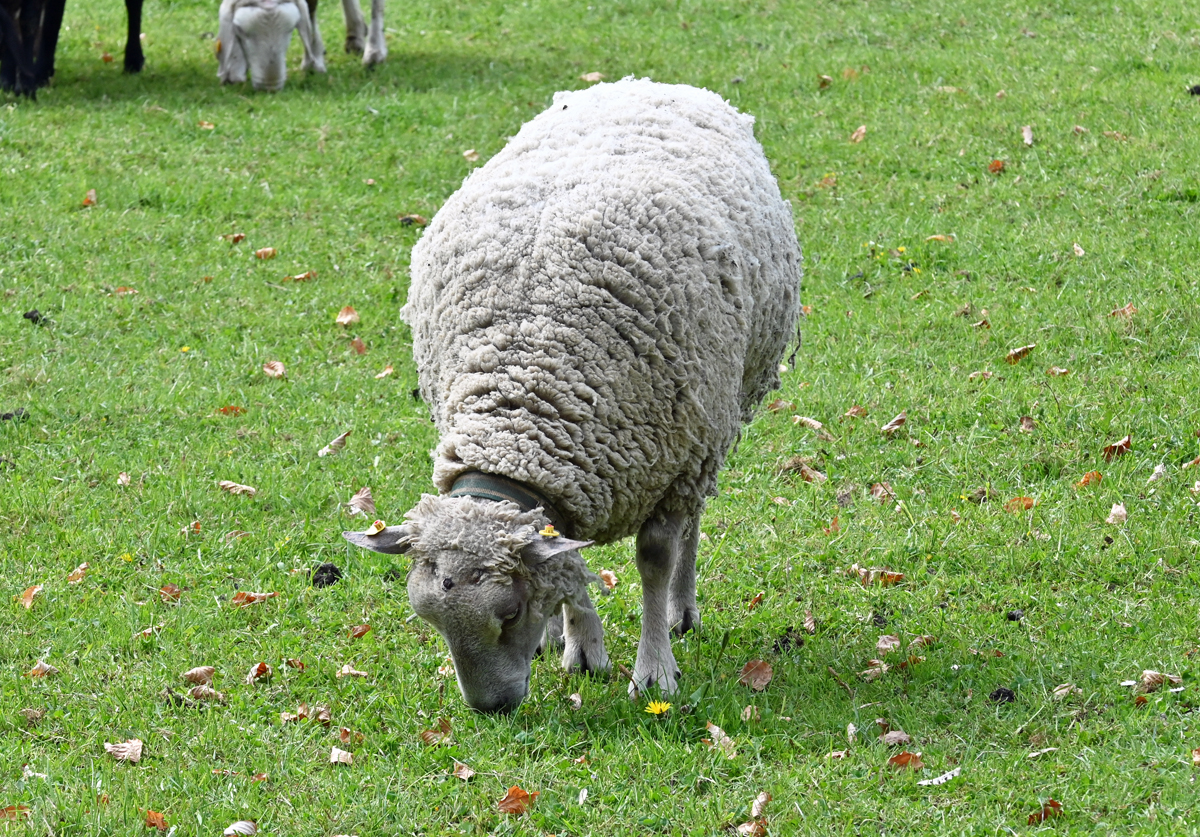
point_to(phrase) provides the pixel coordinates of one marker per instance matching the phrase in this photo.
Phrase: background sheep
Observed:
(594, 314)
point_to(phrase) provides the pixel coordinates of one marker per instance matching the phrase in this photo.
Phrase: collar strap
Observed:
(496, 488)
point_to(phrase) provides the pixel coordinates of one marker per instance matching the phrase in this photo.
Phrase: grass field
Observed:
(1098, 213)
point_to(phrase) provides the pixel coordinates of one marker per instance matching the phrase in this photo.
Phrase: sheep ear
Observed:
(543, 549)
(394, 540)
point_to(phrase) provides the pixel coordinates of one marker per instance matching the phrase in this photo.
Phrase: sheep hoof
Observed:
(586, 660)
(354, 45)
(688, 621)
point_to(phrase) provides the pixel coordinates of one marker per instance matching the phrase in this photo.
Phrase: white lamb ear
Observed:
(543, 549)
(394, 540)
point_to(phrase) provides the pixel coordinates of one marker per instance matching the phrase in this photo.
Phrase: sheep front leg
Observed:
(356, 26)
(683, 614)
(376, 49)
(584, 638)
(657, 550)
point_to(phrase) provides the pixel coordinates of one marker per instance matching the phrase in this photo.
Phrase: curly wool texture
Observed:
(602, 304)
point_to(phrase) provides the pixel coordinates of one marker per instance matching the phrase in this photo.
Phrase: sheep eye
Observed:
(511, 616)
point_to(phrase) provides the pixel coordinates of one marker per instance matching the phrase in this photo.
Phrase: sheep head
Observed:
(485, 578)
(255, 34)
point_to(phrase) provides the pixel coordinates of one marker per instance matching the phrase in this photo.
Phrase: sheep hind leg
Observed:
(657, 551)
(683, 614)
(356, 26)
(376, 49)
(553, 637)
(583, 636)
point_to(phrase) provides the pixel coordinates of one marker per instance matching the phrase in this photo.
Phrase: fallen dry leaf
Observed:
(387, 370)
(433, 737)
(206, 692)
(1196, 757)
(811, 474)
(363, 502)
(868, 576)
(130, 751)
(359, 631)
(266, 253)
(1118, 448)
(337, 756)
(751, 713)
(756, 674)
(350, 671)
(349, 736)
(944, 239)
(301, 277)
(859, 134)
(882, 491)
(470, 155)
(76, 575)
(244, 598)
(1152, 681)
(1057, 372)
(154, 819)
(123, 478)
(1052, 808)
(754, 602)
(274, 369)
(462, 771)
(1039, 753)
(1118, 515)
(258, 671)
(1016, 354)
(412, 220)
(982, 373)
(241, 827)
(42, 669)
(237, 488)
(89, 199)
(576, 700)
(336, 445)
(517, 801)
(231, 410)
(1027, 134)
(922, 641)
(824, 81)
(170, 592)
(887, 643)
(1078, 250)
(360, 348)
(895, 424)
(874, 670)
(779, 405)
(1027, 425)
(996, 166)
(1123, 313)
(720, 741)
(1066, 690)
(609, 578)
(810, 622)
(1019, 504)
(26, 598)
(895, 738)
(1089, 478)
(234, 238)
(906, 761)
(14, 812)
(347, 316)
(593, 77)
(753, 828)
(856, 411)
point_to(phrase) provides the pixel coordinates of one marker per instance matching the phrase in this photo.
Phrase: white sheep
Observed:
(594, 314)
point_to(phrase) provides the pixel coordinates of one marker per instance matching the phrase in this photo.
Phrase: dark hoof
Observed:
(689, 622)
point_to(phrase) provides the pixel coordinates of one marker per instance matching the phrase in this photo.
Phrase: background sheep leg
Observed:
(376, 49)
(657, 549)
(553, 637)
(683, 615)
(356, 26)
(583, 634)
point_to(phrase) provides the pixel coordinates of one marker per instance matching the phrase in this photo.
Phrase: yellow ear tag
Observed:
(376, 527)
(549, 531)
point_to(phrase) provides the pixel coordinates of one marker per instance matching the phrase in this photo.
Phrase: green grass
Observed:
(109, 388)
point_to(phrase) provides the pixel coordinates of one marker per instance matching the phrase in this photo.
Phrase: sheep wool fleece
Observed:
(598, 308)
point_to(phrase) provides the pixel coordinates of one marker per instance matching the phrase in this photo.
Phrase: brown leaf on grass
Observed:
(1019, 504)
(32, 716)
(1118, 515)
(996, 166)
(824, 81)
(895, 738)
(720, 741)
(1028, 425)
(412, 220)
(123, 478)
(1066, 690)
(237, 488)
(856, 411)
(1118, 448)
(882, 491)
(154, 819)
(76, 575)
(471, 155)
(1089, 478)
(239, 828)
(981, 494)
(984, 323)
(811, 474)
(1152, 681)
(1027, 134)
(42, 669)
(592, 77)
(363, 502)
(387, 370)
(1052, 808)
(360, 348)
(517, 801)
(337, 756)
(130, 750)
(231, 410)
(1057, 372)
(609, 578)
(576, 700)
(258, 671)
(462, 771)
(301, 277)
(993, 653)
(895, 424)
(887, 643)
(869, 576)
(1196, 757)
(906, 761)
(433, 737)
(874, 670)
(779, 405)
(754, 602)
(266, 253)
(349, 736)
(350, 671)
(1079, 253)
(1116, 135)
(336, 445)
(955, 516)
(170, 592)
(14, 812)
(859, 134)
(751, 713)
(274, 369)
(359, 631)
(244, 598)
(26, 598)
(922, 641)
(982, 373)
(1015, 355)
(146, 633)
(833, 528)
(1125, 313)
(292, 662)
(206, 692)
(234, 238)
(756, 674)
(944, 239)
(753, 828)
(89, 199)
(810, 622)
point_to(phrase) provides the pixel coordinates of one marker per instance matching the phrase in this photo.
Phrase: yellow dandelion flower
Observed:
(658, 707)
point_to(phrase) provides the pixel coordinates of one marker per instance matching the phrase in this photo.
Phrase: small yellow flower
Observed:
(127, 557)
(900, 249)
(658, 707)
(185, 348)
(549, 531)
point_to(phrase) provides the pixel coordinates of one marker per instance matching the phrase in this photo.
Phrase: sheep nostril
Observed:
(447, 583)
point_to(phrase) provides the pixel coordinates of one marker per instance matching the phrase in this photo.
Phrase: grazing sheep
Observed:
(594, 314)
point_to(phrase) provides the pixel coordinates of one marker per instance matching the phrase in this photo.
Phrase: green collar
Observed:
(496, 488)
